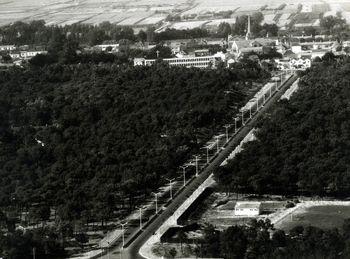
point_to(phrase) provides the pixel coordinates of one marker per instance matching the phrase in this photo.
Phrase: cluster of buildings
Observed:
(283, 54)
(19, 54)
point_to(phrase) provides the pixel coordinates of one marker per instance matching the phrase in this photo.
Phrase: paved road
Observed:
(132, 249)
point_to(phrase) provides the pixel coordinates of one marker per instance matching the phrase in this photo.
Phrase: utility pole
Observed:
(108, 250)
(34, 249)
(184, 174)
(250, 111)
(226, 128)
(235, 125)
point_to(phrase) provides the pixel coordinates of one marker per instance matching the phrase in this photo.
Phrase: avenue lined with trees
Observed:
(302, 147)
(86, 143)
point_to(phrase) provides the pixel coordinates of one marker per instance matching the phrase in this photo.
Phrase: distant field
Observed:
(148, 12)
(88, 11)
(326, 217)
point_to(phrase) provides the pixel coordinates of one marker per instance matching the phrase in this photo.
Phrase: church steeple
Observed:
(247, 36)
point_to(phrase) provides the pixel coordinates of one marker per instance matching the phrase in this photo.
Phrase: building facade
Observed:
(199, 62)
(247, 209)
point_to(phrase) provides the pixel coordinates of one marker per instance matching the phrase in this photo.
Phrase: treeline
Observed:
(303, 145)
(87, 141)
(68, 54)
(39, 34)
(256, 241)
(40, 243)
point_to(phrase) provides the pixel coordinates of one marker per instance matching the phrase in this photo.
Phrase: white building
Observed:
(15, 55)
(186, 61)
(112, 47)
(7, 47)
(247, 208)
(26, 54)
(30, 54)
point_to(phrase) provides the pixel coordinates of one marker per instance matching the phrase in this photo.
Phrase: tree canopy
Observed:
(259, 239)
(87, 140)
(303, 145)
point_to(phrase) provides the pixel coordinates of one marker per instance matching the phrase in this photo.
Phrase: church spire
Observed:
(247, 36)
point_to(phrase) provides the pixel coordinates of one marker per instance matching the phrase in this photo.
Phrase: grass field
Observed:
(331, 216)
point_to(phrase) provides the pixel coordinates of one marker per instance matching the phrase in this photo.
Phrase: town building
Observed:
(108, 47)
(7, 47)
(33, 53)
(26, 54)
(259, 45)
(201, 53)
(247, 209)
(186, 61)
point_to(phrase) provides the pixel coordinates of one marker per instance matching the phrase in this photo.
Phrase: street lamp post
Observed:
(140, 218)
(243, 118)
(123, 234)
(184, 174)
(197, 169)
(264, 99)
(226, 128)
(207, 148)
(171, 190)
(156, 199)
(217, 144)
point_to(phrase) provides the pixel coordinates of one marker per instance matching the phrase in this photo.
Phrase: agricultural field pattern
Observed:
(142, 13)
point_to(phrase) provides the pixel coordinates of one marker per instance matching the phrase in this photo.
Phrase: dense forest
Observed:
(255, 240)
(85, 141)
(303, 145)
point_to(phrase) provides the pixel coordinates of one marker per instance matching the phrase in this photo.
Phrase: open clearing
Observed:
(218, 210)
(323, 216)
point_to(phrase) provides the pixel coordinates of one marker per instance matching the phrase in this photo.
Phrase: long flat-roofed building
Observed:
(199, 62)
